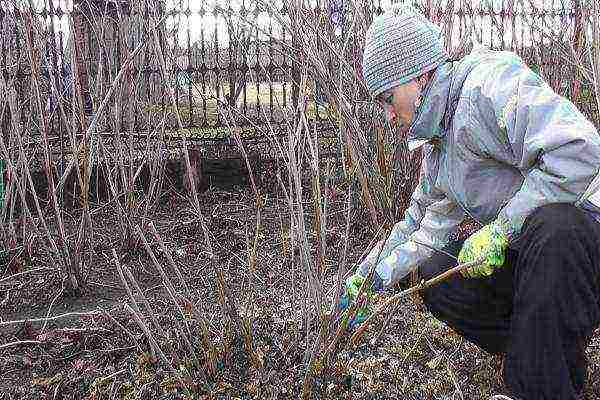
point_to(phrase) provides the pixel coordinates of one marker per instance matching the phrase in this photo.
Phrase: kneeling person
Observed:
(501, 147)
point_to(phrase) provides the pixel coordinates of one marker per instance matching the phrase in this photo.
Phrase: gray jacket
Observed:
(500, 143)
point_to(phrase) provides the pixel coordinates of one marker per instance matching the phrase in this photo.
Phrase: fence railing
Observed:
(234, 54)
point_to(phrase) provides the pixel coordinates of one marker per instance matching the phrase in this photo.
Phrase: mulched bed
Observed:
(101, 353)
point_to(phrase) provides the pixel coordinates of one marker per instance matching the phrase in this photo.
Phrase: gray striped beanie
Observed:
(400, 45)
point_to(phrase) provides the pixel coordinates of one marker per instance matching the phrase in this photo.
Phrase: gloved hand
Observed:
(353, 284)
(490, 242)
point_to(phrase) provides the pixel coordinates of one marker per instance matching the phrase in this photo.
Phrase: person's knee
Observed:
(558, 213)
(558, 261)
(555, 221)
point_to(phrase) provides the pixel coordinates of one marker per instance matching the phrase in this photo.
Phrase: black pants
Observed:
(538, 309)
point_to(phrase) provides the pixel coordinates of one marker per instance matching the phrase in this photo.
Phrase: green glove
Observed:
(353, 284)
(489, 242)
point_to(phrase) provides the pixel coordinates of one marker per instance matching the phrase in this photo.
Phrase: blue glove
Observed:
(353, 284)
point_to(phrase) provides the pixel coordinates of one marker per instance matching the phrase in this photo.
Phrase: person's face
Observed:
(400, 103)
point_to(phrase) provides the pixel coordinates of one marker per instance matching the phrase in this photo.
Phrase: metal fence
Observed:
(216, 60)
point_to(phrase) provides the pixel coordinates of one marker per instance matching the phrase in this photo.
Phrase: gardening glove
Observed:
(490, 243)
(353, 284)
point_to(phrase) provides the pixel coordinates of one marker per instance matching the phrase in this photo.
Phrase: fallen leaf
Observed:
(434, 362)
(48, 381)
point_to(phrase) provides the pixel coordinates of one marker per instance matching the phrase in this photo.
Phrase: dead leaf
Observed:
(48, 381)
(434, 362)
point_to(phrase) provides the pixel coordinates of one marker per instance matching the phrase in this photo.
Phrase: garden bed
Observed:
(99, 352)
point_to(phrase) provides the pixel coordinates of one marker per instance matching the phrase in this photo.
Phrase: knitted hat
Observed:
(401, 44)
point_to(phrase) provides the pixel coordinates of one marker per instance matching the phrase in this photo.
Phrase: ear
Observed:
(423, 79)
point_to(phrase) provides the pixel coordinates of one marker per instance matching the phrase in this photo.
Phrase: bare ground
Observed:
(102, 353)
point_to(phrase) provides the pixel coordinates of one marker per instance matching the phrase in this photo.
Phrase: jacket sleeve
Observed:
(430, 219)
(548, 139)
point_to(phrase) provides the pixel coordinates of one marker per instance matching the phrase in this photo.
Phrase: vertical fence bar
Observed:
(521, 24)
(203, 71)
(270, 68)
(259, 73)
(173, 78)
(244, 54)
(231, 62)
(146, 68)
(135, 39)
(61, 121)
(295, 73)
(188, 74)
(119, 59)
(216, 66)
(284, 61)
(55, 120)
(487, 16)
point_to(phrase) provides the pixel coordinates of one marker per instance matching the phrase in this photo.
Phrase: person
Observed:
(502, 148)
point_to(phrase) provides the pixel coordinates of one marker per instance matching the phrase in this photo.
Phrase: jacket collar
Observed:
(441, 97)
(429, 118)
